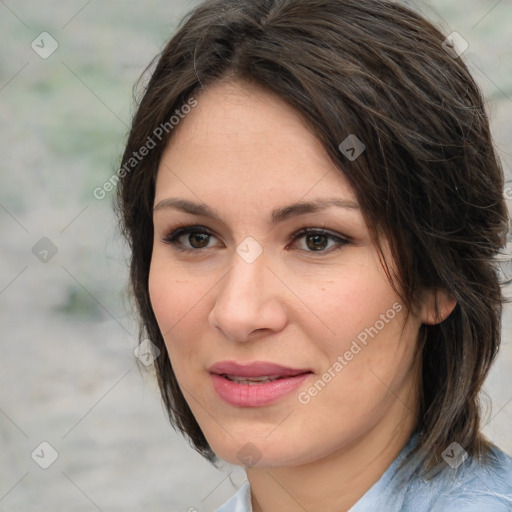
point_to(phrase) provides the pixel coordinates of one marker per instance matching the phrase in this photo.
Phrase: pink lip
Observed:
(255, 395)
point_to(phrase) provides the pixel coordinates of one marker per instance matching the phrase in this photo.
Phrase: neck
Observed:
(336, 482)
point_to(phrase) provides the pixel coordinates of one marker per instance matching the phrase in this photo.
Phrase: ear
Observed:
(437, 306)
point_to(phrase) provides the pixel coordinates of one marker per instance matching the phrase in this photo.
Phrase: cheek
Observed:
(175, 303)
(363, 344)
(163, 293)
(364, 381)
(357, 299)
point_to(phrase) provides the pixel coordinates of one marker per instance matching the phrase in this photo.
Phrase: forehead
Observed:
(247, 139)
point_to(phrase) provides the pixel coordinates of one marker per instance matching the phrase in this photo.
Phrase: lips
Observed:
(256, 370)
(255, 384)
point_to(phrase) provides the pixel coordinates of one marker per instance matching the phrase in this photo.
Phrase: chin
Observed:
(259, 451)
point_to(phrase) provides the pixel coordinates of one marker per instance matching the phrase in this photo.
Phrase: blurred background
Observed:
(68, 375)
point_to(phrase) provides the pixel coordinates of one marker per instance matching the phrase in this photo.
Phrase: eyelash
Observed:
(173, 236)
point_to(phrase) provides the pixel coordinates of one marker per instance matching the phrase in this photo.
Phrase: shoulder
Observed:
(486, 485)
(240, 502)
(474, 486)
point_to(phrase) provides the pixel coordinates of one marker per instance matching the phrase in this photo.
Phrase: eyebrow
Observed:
(278, 215)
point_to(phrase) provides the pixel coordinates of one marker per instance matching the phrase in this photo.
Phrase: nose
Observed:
(248, 301)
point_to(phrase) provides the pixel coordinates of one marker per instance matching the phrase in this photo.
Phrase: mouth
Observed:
(255, 370)
(252, 380)
(256, 384)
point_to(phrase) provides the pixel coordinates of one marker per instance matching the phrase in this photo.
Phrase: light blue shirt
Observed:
(467, 486)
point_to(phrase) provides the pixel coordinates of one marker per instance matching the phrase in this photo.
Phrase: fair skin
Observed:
(301, 304)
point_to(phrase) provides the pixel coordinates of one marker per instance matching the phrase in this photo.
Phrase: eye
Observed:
(198, 238)
(317, 240)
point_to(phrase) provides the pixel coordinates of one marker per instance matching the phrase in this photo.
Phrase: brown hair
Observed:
(429, 180)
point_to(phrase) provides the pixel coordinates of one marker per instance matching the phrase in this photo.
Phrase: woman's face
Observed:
(261, 287)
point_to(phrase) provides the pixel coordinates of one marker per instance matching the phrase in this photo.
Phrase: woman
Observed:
(314, 205)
